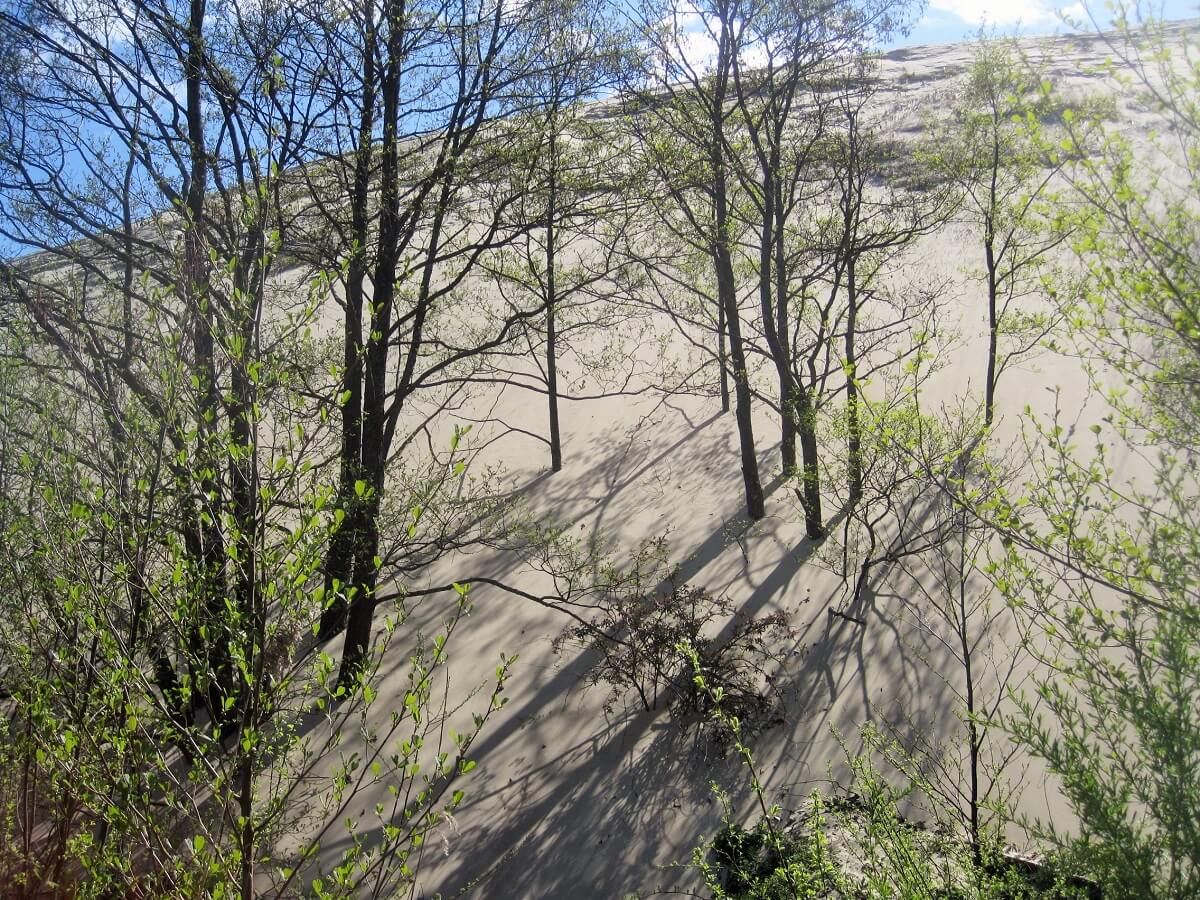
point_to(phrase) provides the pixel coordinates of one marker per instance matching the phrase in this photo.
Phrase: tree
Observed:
(558, 183)
(681, 113)
(437, 92)
(786, 108)
(166, 514)
(1005, 178)
(1110, 554)
(783, 115)
(91, 199)
(870, 230)
(956, 606)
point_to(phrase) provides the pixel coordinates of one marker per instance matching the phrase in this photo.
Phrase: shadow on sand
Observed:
(597, 809)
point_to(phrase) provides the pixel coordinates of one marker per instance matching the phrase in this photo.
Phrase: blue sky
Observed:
(951, 21)
(945, 21)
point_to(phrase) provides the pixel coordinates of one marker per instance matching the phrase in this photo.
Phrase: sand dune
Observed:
(570, 800)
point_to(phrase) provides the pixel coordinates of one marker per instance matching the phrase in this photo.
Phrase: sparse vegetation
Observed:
(277, 283)
(638, 639)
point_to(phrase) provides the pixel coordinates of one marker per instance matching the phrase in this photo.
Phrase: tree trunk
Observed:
(722, 359)
(989, 399)
(755, 502)
(853, 432)
(974, 737)
(362, 602)
(769, 298)
(809, 491)
(551, 301)
(727, 291)
(365, 565)
(339, 560)
(218, 674)
(799, 418)
(989, 253)
(243, 483)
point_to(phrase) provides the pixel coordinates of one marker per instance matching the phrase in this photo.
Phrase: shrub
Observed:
(637, 637)
(857, 843)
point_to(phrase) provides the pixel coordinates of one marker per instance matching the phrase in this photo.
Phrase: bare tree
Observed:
(875, 222)
(410, 248)
(996, 161)
(681, 112)
(168, 508)
(560, 183)
(786, 105)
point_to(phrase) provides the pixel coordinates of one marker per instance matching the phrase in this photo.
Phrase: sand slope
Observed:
(571, 801)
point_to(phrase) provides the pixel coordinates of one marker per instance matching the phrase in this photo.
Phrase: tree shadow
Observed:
(623, 776)
(567, 803)
(875, 664)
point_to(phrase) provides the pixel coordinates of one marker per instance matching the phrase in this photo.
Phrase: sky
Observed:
(952, 21)
(946, 21)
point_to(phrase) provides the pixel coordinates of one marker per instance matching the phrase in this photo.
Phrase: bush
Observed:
(749, 863)
(638, 635)
(856, 843)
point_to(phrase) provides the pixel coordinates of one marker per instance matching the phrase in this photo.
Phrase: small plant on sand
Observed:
(638, 638)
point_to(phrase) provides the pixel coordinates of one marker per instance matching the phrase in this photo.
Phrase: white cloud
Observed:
(1076, 12)
(989, 12)
(699, 50)
(755, 56)
(695, 43)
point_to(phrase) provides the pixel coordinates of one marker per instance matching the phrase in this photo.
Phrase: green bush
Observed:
(638, 638)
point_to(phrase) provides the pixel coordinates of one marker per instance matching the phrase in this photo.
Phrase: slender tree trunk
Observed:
(727, 286)
(989, 399)
(366, 548)
(768, 298)
(727, 290)
(722, 357)
(809, 491)
(974, 738)
(363, 603)
(853, 427)
(365, 564)
(551, 302)
(799, 418)
(851, 204)
(219, 673)
(339, 561)
(989, 252)
(246, 822)
(787, 421)
(243, 490)
(783, 364)
(340, 557)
